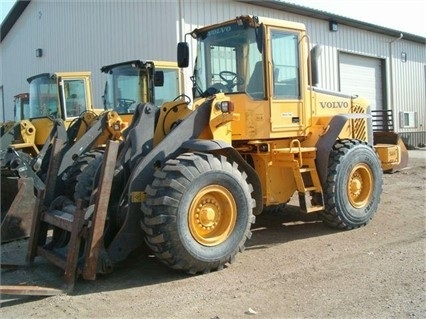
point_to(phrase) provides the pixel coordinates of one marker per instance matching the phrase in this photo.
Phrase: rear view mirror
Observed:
(183, 54)
(159, 78)
(315, 54)
(259, 37)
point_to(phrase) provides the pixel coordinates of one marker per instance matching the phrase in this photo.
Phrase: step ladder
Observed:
(306, 176)
(75, 222)
(309, 189)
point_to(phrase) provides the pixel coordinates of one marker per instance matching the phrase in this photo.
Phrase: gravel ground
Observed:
(293, 267)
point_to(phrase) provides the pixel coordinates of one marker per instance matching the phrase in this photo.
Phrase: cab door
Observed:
(74, 97)
(285, 73)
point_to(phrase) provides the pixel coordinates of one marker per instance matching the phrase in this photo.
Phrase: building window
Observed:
(408, 119)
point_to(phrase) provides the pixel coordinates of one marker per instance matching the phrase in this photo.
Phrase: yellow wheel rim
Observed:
(212, 215)
(360, 185)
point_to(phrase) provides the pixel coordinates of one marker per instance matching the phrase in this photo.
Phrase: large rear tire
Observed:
(198, 212)
(353, 185)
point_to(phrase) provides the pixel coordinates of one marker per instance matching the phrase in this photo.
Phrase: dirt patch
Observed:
(293, 267)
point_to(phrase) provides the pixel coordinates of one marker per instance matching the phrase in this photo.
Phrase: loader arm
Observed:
(109, 126)
(130, 236)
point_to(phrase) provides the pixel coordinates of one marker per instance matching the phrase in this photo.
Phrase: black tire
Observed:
(89, 179)
(86, 163)
(274, 209)
(205, 184)
(44, 167)
(353, 186)
(82, 174)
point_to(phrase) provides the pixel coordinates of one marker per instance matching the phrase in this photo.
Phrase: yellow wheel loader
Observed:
(189, 181)
(20, 106)
(133, 82)
(55, 100)
(57, 105)
(22, 173)
(127, 85)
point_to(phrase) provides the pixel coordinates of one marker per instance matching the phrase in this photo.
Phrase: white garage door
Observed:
(362, 76)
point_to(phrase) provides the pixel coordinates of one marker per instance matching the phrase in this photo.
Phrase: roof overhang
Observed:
(323, 15)
(12, 17)
(20, 6)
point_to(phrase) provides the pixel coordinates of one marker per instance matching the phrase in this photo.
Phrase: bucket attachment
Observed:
(16, 223)
(391, 150)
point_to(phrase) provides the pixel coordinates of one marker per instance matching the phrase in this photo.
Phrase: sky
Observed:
(5, 6)
(402, 15)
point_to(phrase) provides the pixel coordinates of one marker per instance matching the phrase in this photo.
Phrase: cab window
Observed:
(285, 61)
(75, 97)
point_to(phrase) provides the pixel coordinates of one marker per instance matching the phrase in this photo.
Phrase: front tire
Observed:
(198, 212)
(82, 174)
(353, 186)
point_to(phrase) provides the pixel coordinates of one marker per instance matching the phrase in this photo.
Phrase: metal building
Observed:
(381, 64)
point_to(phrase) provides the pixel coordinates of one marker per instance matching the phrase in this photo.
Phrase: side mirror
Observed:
(159, 78)
(104, 100)
(315, 54)
(260, 31)
(316, 51)
(183, 54)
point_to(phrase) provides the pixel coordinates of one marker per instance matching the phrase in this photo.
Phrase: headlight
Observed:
(225, 106)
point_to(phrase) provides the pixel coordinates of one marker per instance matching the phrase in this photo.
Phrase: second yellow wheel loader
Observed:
(57, 105)
(143, 81)
(56, 101)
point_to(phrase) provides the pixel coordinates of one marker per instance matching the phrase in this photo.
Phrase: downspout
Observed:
(181, 34)
(181, 37)
(391, 89)
(2, 104)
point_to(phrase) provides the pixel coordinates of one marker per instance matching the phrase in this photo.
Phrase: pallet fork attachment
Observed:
(76, 224)
(29, 291)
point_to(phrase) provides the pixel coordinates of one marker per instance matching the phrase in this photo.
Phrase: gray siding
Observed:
(84, 36)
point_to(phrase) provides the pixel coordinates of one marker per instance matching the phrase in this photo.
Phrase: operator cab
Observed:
(21, 107)
(263, 78)
(135, 82)
(57, 96)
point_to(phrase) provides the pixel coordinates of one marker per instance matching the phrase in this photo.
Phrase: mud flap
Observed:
(18, 219)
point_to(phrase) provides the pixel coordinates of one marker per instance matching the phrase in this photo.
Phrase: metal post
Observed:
(391, 72)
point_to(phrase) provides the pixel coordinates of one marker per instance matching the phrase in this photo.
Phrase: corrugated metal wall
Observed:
(85, 35)
(409, 88)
